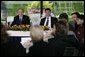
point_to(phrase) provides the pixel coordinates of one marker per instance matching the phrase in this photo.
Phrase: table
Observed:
(26, 38)
(25, 34)
(18, 33)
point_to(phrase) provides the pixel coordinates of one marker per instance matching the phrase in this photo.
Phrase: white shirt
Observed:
(20, 17)
(49, 23)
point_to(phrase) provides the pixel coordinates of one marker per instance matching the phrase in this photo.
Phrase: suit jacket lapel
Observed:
(51, 22)
(44, 20)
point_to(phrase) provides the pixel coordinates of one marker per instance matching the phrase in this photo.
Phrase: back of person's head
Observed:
(82, 17)
(81, 20)
(36, 33)
(63, 22)
(77, 14)
(60, 30)
(4, 35)
(63, 16)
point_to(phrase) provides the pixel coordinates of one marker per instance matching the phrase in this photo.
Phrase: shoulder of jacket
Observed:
(16, 16)
(25, 16)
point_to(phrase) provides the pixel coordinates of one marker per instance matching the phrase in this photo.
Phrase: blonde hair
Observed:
(36, 33)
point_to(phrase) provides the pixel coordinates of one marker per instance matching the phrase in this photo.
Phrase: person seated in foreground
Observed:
(9, 48)
(61, 40)
(39, 47)
(63, 17)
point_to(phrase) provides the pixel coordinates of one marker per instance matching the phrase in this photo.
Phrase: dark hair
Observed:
(4, 35)
(60, 29)
(63, 16)
(48, 9)
(77, 13)
(81, 17)
(62, 22)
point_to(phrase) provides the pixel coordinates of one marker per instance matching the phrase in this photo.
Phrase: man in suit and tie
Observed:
(18, 20)
(21, 18)
(48, 20)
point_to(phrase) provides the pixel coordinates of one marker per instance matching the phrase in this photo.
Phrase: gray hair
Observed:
(36, 33)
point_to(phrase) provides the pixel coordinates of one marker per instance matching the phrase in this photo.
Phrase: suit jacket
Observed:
(39, 48)
(59, 43)
(12, 49)
(25, 20)
(73, 26)
(53, 21)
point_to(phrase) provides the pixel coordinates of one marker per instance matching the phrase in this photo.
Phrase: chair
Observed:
(71, 51)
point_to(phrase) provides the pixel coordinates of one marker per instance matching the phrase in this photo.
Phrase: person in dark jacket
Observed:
(73, 24)
(61, 40)
(48, 20)
(9, 48)
(21, 18)
(39, 48)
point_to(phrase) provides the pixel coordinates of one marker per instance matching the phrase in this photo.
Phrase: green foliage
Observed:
(78, 7)
(48, 4)
(12, 11)
(34, 4)
(53, 5)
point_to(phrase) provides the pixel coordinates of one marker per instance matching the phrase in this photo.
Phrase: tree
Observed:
(34, 5)
(78, 7)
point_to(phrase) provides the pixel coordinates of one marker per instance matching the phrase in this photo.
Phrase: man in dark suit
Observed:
(21, 18)
(48, 20)
(18, 20)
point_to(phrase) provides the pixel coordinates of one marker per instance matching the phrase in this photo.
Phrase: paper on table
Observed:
(27, 43)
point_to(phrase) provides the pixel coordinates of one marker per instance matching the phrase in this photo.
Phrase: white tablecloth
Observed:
(25, 34)
(26, 39)
(18, 33)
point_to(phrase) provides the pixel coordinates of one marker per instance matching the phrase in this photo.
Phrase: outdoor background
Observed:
(33, 8)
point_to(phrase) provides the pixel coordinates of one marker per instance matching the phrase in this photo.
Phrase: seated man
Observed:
(21, 18)
(18, 20)
(48, 20)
